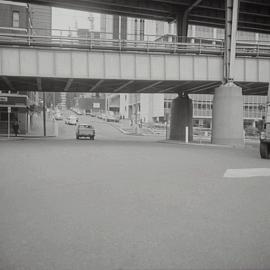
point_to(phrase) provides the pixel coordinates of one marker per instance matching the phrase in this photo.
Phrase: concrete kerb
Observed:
(129, 133)
(207, 144)
(22, 137)
(118, 128)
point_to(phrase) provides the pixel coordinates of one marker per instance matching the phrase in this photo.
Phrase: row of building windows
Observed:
(203, 106)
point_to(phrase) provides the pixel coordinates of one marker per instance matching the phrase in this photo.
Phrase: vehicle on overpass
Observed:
(85, 130)
(265, 134)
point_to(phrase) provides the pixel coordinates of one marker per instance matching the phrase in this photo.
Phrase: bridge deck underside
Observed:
(15, 83)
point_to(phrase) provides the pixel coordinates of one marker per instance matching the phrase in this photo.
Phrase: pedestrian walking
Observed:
(16, 127)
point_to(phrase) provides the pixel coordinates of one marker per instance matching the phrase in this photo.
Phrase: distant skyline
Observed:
(66, 19)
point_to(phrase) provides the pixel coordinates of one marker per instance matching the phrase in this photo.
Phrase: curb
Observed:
(245, 146)
(118, 128)
(200, 144)
(19, 138)
(131, 133)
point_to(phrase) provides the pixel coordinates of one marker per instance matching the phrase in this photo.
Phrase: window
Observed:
(15, 19)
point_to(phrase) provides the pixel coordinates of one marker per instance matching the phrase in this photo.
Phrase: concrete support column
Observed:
(181, 116)
(181, 27)
(182, 20)
(228, 115)
(116, 27)
(141, 29)
(123, 33)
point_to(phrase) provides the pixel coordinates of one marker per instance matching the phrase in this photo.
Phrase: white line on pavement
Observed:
(251, 172)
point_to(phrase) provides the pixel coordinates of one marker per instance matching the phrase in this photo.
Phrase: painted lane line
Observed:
(251, 172)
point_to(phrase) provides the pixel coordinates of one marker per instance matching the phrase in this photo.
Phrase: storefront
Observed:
(13, 107)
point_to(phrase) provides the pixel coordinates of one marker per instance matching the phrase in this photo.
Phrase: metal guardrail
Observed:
(184, 45)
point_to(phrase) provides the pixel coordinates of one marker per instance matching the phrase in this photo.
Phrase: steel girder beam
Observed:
(232, 8)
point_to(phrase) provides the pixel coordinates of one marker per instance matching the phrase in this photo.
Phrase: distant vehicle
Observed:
(76, 110)
(71, 120)
(85, 130)
(112, 118)
(58, 116)
(103, 116)
(87, 112)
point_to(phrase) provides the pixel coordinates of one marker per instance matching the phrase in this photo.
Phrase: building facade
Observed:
(19, 18)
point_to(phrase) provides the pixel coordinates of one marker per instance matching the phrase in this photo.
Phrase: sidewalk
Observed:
(36, 130)
(125, 127)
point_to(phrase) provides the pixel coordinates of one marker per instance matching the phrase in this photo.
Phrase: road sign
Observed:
(96, 105)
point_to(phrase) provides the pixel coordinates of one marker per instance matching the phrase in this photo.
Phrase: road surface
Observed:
(130, 202)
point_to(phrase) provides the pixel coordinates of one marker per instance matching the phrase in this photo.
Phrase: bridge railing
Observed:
(149, 43)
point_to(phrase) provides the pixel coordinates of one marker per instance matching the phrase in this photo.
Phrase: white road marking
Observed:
(251, 172)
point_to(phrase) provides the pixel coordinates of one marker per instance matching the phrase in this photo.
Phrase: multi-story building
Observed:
(253, 109)
(19, 18)
(93, 102)
(41, 19)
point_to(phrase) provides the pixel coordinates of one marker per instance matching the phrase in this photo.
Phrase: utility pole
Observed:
(136, 113)
(9, 111)
(44, 113)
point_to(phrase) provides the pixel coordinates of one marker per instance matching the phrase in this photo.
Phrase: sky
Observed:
(66, 19)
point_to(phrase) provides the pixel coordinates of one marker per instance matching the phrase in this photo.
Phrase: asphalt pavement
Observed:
(130, 202)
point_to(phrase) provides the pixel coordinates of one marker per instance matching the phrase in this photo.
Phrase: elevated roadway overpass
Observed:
(53, 63)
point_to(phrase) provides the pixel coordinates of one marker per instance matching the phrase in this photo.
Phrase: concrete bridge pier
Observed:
(181, 117)
(228, 115)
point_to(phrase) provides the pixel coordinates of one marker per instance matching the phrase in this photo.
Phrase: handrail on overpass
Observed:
(164, 44)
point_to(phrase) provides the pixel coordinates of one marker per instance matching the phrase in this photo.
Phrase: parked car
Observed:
(85, 130)
(71, 120)
(252, 131)
(112, 118)
(58, 116)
